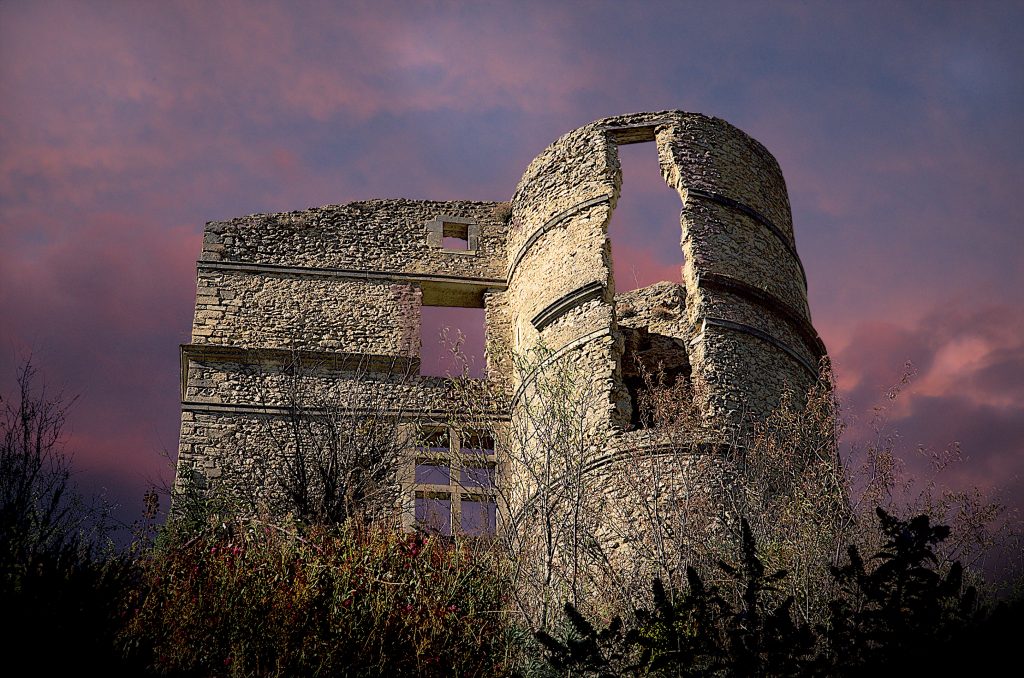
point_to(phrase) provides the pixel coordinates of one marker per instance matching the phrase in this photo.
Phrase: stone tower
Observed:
(345, 284)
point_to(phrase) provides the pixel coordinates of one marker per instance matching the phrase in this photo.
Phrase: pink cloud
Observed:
(636, 268)
(101, 306)
(965, 391)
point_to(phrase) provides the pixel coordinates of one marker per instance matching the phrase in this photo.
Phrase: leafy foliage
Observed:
(903, 610)
(595, 652)
(762, 638)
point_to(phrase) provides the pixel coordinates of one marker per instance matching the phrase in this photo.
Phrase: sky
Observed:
(125, 126)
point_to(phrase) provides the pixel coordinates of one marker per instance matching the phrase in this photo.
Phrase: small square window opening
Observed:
(455, 236)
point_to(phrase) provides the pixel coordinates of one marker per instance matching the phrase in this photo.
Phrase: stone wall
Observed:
(376, 235)
(738, 324)
(260, 309)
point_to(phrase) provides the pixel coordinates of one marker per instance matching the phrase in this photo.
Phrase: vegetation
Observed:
(899, 615)
(212, 596)
(59, 585)
(257, 599)
(332, 450)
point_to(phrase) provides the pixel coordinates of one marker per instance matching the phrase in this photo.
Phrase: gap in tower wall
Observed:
(644, 229)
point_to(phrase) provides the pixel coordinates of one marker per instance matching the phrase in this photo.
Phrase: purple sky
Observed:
(124, 126)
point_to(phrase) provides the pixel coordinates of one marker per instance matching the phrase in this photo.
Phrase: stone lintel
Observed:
(463, 295)
(637, 133)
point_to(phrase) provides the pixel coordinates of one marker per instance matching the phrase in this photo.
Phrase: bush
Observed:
(263, 600)
(896, 614)
(58, 583)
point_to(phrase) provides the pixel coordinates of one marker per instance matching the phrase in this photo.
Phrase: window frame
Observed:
(458, 456)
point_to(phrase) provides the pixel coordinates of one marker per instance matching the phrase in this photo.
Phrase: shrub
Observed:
(894, 614)
(264, 600)
(58, 583)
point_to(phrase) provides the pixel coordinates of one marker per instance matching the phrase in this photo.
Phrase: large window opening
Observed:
(644, 229)
(452, 341)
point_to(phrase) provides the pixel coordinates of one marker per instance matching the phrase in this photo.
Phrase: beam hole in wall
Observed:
(452, 341)
(644, 229)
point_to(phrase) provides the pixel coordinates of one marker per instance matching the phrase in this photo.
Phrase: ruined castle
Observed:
(346, 284)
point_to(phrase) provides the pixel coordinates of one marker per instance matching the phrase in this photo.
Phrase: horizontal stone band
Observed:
(390, 276)
(765, 298)
(764, 221)
(574, 344)
(341, 361)
(760, 334)
(551, 223)
(410, 414)
(567, 302)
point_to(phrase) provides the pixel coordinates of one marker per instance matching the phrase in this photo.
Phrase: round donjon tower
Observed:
(735, 325)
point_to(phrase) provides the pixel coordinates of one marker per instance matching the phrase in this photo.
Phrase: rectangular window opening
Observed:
(428, 473)
(455, 486)
(478, 516)
(473, 477)
(452, 342)
(478, 444)
(435, 443)
(434, 512)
